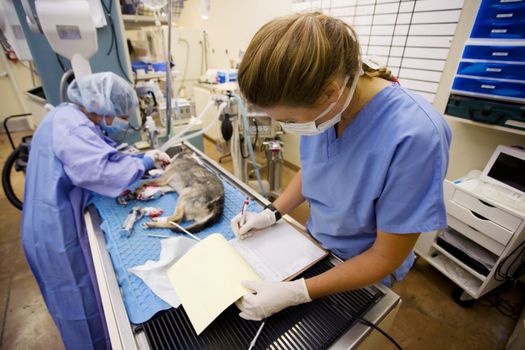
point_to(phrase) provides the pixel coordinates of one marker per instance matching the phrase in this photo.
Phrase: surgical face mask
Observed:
(311, 128)
(118, 129)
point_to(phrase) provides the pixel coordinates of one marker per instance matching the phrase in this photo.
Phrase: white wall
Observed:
(472, 146)
(230, 27)
(13, 84)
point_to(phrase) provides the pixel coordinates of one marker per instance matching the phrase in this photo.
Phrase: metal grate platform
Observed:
(314, 325)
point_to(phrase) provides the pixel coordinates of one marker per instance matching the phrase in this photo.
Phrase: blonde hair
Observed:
(381, 72)
(291, 60)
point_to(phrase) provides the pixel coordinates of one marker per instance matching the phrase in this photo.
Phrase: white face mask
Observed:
(311, 128)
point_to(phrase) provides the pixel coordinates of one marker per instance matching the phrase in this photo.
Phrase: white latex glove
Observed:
(256, 221)
(160, 158)
(271, 297)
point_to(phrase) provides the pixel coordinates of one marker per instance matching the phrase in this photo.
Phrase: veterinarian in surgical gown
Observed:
(70, 158)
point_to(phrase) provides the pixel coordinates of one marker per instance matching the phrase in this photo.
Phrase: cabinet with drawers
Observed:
(500, 19)
(486, 226)
(490, 77)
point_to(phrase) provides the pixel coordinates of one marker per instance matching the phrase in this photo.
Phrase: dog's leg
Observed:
(143, 185)
(178, 215)
(161, 181)
(164, 222)
(161, 222)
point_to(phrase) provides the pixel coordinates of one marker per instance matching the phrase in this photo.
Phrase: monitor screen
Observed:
(509, 170)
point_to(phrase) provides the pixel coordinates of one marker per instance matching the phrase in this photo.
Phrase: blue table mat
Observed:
(126, 252)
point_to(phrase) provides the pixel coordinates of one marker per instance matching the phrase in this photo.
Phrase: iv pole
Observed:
(168, 74)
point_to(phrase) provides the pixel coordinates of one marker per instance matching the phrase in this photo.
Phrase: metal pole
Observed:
(168, 74)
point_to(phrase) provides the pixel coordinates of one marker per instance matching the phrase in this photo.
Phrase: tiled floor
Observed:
(428, 318)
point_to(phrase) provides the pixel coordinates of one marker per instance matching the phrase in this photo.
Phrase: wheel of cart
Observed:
(462, 298)
(16, 161)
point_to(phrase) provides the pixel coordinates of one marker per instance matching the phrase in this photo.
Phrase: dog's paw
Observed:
(159, 222)
(148, 224)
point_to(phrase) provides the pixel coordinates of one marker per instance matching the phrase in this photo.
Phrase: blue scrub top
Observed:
(385, 172)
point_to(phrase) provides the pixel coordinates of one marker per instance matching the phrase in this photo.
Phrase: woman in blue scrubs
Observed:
(373, 156)
(70, 158)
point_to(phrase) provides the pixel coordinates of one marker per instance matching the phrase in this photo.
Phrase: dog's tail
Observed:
(215, 207)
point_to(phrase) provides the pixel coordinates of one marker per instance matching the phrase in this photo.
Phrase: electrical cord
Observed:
(370, 324)
(27, 67)
(60, 63)
(241, 140)
(510, 268)
(513, 270)
(241, 146)
(107, 10)
(366, 323)
(111, 45)
(504, 306)
(254, 120)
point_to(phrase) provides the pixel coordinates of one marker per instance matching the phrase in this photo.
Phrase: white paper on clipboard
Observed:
(279, 252)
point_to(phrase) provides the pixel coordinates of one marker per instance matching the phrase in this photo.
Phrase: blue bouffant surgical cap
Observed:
(105, 94)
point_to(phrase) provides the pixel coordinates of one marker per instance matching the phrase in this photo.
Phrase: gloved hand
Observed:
(256, 221)
(160, 158)
(271, 297)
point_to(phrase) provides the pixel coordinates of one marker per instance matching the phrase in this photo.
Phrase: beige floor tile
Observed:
(28, 324)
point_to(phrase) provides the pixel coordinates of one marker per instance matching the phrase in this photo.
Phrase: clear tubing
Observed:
(188, 127)
(178, 138)
(249, 141)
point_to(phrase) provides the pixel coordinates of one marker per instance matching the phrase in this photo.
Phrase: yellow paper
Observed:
(207, 279)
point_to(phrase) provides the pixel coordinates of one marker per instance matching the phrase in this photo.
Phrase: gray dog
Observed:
(201, 194)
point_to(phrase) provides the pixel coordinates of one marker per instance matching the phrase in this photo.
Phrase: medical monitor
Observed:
(506, 168)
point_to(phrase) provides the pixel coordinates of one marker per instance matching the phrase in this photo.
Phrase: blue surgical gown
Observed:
(69, 158)
(385, 172)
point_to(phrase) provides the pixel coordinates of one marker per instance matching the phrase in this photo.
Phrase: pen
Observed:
(243, 211)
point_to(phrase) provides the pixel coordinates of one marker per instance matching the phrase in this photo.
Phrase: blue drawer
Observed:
(500, 2)
(490, 87)
(501, 11)
(499, 29)
(513, 11)
(492, 70)
(495, 53)
(500, 19)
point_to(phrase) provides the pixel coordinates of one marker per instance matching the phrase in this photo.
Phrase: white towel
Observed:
(154, 273)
